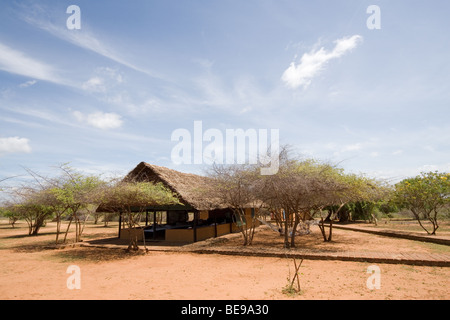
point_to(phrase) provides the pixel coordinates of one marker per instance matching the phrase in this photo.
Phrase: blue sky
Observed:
(109, 95)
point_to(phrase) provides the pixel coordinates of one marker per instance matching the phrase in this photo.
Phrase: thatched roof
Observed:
(192, 189)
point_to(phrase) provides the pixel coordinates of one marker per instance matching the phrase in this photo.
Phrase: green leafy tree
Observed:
(364, 210)
(345, 191)
(302, 188)
(12, 215)
(29, 206)
(425, 196)
(130, 199)
(65, 195)
(74, 193)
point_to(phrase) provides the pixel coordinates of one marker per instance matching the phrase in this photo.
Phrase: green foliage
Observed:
(131, 198)
(304, 187)
(124, 196)
(425, 196)
(70, 192)
(33, 212)
(362, 210)
(388, 207)
(12, 215)
(74, 190)
(290, 291)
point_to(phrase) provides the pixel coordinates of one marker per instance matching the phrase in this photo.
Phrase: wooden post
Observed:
(146, 217)
(215, 224)
(154, 224)
(195, 225)
(231, 223)
(120, 222)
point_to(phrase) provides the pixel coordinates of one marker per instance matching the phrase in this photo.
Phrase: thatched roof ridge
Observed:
(192, 189)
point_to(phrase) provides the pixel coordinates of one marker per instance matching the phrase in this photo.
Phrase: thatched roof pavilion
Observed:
(201, 214)
(193, 190)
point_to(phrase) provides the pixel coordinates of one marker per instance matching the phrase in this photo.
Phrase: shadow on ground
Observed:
(94, 254)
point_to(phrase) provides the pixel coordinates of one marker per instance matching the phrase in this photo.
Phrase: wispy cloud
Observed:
(301, 75)
(94, 84)
(103, 80)
(99, 119)
(27, 84)
(17, 62)
(14, 145)
(352, 147)
(23, 123)
(82, 38)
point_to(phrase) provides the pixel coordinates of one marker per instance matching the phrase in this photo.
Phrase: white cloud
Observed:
(352, 147)
(111, 73)
(103, 80)
(349, 148)
(16, 62)
(94, 84)
(312, 63)
(100, 120)
(14, 145)
(27, 84)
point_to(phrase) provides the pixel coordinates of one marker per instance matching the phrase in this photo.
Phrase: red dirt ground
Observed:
(28, 271)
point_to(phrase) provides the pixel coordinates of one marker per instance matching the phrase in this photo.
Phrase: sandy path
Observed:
(27, 271)
(180, 276)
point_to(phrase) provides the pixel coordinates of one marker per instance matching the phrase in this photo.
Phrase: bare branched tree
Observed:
(234, 187)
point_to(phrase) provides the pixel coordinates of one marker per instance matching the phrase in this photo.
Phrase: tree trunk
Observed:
(58, 228)
(296, 219)
(322, 229)
(331, 231)
(417, 216)
(252, 231)
(67, 230)
(286, 233)
(330, 212)
(435, 227)
(374, 219)
(434, 222)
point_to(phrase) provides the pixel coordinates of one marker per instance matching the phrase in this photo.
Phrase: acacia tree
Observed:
(425, 196)
(280, 192)
(65, 195)
(28, 204)
(73, 192)
(12, 215)
(300, 188)
(234, 186)
(130, 199)
(286, 192)
(347, 190)
(335, 196)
